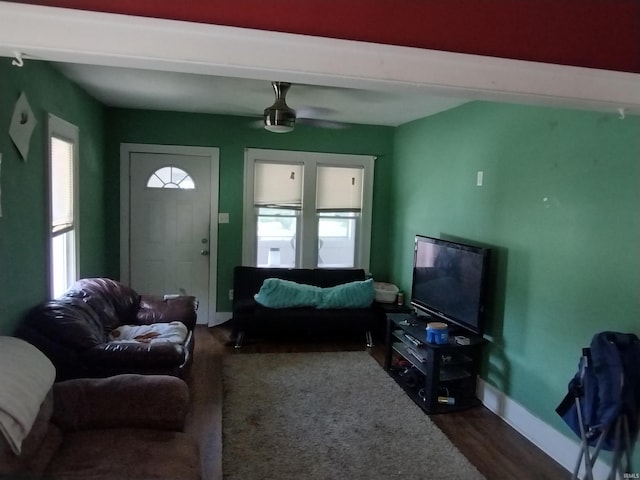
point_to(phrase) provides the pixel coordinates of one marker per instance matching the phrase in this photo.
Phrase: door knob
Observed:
(204, 252)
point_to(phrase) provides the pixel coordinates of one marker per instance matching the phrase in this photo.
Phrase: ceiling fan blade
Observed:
(316, 122)
(281, 118)
(307, 111)
(317, 117)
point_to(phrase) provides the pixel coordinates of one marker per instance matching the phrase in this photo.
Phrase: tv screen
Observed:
(449, 281)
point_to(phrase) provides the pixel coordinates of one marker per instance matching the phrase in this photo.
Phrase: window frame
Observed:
(63, 130)
(156, 174)
(308, 231)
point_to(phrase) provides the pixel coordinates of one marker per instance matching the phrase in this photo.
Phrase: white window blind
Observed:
(313, 208)
(339, 189)
(61, 185)
(278, 185)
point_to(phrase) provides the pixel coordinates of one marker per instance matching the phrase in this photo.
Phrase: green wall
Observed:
(23, 225)
(232, 135)
(559, 206)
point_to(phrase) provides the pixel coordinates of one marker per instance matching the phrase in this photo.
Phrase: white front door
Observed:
(173, 194)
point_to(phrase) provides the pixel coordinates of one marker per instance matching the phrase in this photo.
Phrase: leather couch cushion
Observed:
(70, 321)
(115, 303)
(145, 401)
(126, 453)
(132, 356)
(157, 309)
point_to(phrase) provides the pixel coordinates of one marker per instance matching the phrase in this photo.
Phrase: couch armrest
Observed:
(136, 355)
(157, 309)
(128, 400)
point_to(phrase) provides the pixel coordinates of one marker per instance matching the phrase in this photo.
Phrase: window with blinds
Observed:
(277, 195)
(63, 251)
(306, 209)
(61, 185)
(338, 207)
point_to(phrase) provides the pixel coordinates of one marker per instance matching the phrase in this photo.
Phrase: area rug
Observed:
(325, 416)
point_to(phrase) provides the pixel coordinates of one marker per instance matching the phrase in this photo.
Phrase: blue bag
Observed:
(608, 386)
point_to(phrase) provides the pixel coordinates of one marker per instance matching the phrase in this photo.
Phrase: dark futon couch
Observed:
(249, 317)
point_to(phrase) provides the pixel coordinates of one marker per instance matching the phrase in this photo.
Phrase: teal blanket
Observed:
(278, 293)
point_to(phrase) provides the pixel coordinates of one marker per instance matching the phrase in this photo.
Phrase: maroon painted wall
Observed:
(590, 33)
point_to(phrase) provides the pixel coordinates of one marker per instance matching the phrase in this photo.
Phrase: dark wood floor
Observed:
(497, 451)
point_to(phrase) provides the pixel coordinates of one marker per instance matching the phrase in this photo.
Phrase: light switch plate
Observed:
(223, 218)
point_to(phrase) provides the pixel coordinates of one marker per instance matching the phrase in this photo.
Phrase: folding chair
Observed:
(603, 403)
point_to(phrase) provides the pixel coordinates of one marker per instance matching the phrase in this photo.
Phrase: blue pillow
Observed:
(359, 294)
(278, 293)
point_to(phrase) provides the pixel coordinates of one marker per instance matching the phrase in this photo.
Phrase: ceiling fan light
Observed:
(278, 128)
(279, 120)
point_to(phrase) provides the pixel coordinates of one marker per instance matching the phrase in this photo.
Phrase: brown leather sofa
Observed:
(73, 331)
(125, 426)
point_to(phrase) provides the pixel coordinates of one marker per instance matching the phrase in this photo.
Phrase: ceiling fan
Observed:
(281, 118)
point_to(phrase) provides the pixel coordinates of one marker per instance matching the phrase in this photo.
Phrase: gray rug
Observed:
(327, 416)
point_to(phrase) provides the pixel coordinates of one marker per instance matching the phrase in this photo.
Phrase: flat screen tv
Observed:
(449, 281)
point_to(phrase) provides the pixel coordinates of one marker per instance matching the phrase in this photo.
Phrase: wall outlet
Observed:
(231, 294)
(223, 218)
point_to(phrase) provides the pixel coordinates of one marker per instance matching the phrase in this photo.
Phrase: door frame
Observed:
(213, 153)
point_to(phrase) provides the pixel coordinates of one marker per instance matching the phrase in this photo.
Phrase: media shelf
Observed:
(428, 371)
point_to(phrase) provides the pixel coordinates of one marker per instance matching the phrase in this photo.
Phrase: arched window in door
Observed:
(170, 177)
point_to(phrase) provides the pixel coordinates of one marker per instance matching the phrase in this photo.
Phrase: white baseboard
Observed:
(562, 449)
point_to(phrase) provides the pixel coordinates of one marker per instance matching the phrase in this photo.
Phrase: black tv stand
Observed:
(439, 378)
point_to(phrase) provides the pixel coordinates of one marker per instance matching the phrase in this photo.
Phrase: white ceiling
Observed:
(187, 92)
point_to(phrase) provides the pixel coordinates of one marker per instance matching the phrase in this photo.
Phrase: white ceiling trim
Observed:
(76, 36)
